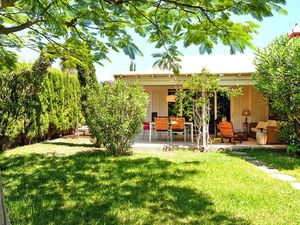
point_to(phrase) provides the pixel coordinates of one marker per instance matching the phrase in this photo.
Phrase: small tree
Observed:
(203, 86)
(115, 114)
(277, 77)
(183, 106)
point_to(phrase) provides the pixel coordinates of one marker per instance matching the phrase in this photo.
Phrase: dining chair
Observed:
(161, 126)
(178, 127)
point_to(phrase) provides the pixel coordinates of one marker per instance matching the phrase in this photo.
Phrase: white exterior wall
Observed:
(250, 100)
(157, 100)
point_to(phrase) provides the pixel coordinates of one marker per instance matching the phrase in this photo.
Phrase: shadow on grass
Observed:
(93, 188)
(69, 144)
(276, 158)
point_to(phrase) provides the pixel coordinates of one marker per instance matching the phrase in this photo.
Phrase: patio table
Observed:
(83, 129)
(190, 124)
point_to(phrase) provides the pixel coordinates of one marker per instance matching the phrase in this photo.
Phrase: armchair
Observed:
(226, 129)
(271, 131)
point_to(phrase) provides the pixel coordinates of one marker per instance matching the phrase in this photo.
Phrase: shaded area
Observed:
(93, 188)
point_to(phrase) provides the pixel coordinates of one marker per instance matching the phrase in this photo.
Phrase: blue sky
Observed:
(269, 29)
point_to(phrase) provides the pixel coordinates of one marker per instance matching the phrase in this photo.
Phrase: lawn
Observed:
(278, 159)
(74, 183)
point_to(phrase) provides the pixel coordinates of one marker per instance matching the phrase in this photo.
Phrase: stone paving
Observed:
(267, 169)
(273, 172)
(257, 162)
(248, 158)
(240, 153)
(296, 185)
(283, 177)
(142, 143)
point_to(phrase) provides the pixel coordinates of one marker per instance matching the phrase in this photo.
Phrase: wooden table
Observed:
(83, 129)
(244, 136)
(190, 124)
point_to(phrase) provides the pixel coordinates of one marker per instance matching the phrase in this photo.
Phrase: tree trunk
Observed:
(3, 213)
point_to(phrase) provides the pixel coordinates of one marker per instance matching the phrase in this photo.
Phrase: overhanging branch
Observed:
(29, 23)
(7, 3)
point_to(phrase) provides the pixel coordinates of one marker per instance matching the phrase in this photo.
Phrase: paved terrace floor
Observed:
(144, 144)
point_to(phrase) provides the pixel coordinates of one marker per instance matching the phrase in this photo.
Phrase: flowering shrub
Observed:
(115, 114)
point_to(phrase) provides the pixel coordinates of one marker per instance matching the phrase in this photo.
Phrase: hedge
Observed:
(31, 111)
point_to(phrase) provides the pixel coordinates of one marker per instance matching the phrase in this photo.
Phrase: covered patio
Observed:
(216, 145)
(235, 70)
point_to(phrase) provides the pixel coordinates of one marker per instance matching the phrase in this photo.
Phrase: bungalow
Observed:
(235, 70)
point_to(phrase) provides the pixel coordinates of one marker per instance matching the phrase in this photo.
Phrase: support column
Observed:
(215, 112)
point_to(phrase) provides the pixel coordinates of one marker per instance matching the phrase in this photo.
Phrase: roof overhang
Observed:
(171, 79)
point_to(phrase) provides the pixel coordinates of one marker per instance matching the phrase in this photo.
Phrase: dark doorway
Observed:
(223, 107)
(223, 110)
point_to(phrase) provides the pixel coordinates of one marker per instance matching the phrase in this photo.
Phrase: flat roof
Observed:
(219, 64)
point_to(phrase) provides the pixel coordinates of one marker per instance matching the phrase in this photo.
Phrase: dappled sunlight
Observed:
(92, 188)
(155, 187)
(58, 147)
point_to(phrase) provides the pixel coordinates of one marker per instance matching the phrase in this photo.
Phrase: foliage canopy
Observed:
(108, 24)
(202, 87)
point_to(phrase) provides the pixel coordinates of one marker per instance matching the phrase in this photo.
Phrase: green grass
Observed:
(278, 159)
(182, 187)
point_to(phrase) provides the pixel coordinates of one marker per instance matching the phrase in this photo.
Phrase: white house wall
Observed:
(157, 100)
(259, 106)
(250, 100)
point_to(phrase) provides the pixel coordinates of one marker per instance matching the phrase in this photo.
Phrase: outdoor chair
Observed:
(226, 129)
(161, 127)
(178, 127)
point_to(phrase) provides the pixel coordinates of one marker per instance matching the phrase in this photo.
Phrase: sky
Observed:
(119, 63)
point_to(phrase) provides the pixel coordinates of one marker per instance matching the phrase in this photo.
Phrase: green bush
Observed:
(14, 91)
(59, 104)
(115, 114)
(287, 133)
(33, 111)
(277, 78)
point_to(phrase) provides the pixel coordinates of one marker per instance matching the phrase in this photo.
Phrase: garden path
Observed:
(273, 172)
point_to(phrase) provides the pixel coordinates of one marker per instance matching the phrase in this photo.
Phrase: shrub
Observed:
(14, 91)
(33, 111)
(115, 114)
(277, 77)
(287, 133)
(59, 108)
